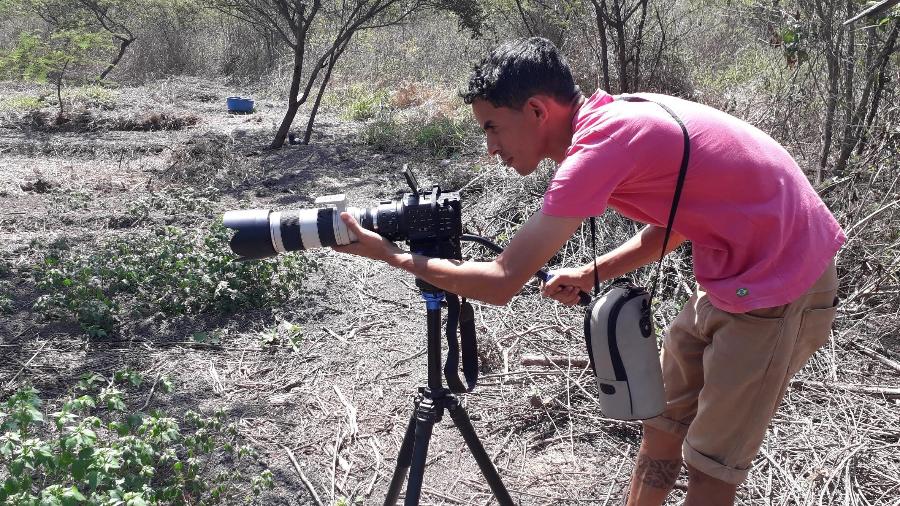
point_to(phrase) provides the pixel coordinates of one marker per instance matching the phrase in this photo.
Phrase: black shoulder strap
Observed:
(682, 172)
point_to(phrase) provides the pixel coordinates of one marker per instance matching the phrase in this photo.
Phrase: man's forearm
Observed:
(485, 281)
(636, 252)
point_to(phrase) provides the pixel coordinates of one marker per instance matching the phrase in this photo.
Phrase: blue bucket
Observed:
(239, 104)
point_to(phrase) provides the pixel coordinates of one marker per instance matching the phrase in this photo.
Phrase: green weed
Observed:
(363, 103)
(92, 96)
(441, 136)
(168, 272)
(95, 450)
(22, 103)
(384, 134)
(285, 334)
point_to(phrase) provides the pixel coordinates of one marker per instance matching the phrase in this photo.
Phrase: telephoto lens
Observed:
(415, 217)
(262, 233)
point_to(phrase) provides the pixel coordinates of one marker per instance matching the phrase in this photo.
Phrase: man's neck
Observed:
(561, 136)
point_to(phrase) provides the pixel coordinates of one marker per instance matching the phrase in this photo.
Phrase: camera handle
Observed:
(583, 298)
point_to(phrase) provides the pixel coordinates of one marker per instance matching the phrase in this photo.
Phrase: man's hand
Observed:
(566, 283)
(368, 244)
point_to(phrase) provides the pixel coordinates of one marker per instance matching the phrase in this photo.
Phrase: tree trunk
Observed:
(638, 46)
(876, 98)
(59, 80)
(849, 142)
(123, 45)
(293, 103)
(849, 101)
(832, 50)
(619, 26)
(315, 108)
(599, 13)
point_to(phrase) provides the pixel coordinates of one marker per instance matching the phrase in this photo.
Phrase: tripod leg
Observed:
(404, 458)
(420, 454)
(461, 420)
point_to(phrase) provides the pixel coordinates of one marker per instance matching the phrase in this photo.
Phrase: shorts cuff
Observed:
(667, 425)
(712, 467)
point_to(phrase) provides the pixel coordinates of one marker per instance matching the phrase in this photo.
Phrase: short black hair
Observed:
(518, 70)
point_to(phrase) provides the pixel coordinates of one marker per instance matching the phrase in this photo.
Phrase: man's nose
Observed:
(493, 148)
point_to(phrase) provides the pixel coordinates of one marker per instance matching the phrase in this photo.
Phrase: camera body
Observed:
(430, 222)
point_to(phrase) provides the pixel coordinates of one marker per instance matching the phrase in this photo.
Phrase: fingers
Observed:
(568, 295)
(351, 223)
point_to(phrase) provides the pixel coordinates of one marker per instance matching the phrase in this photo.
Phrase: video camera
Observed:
(429, 221)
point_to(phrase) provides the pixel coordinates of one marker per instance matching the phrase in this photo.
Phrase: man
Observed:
(763, 246)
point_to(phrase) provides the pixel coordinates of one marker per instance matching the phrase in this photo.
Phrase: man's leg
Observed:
(704, 490)
(656, 468)
(747, 368)
(659, 459)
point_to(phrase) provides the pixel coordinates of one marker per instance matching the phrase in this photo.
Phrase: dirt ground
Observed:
(341, 403)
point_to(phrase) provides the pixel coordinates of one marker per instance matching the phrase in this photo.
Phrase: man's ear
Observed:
(537, 107)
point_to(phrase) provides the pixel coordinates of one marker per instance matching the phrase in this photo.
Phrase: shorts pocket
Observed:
(815, 329)
(766, 313)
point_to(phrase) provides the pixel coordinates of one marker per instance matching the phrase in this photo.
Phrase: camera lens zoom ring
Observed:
(290, 231)
(325, 225)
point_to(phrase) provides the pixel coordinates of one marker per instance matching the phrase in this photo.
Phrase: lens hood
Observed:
(252, 239)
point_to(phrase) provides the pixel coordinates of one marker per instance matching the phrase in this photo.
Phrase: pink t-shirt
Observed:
(760, 234)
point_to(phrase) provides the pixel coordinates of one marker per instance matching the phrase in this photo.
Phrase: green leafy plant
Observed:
(441, 135)
(285, 334)
(43, 58)
(167, 272)
(98, 451)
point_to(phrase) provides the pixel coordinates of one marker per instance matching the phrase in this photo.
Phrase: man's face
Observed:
(513, 135)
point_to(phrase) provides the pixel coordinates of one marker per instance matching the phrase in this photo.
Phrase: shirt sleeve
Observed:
(587, 177)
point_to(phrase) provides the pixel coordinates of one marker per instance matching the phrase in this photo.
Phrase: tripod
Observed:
(430, 404)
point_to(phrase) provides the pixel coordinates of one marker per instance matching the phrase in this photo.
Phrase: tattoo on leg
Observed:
(657, 473)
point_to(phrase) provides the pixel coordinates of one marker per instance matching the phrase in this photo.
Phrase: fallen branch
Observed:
(303, 478)
(150, 395)
(551, 361)
(886, 392)
(877, 356)
(10, 383)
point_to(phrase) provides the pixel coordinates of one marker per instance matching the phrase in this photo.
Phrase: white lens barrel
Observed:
(341, 232)
(275, 232)
(309, 228)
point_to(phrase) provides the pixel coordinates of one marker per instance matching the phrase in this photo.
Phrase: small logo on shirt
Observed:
(742, 292)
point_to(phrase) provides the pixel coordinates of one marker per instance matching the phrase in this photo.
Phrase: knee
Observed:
(659, 443)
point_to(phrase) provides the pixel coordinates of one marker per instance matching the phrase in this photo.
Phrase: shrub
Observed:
(6, 306)
(93, 96)
(97, 451)
(384, 134)
(155, 121)
(208, 158)
(364, 104)
(169, 272)
(441, 136)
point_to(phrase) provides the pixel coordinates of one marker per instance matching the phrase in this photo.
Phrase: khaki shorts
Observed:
(726, 373)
